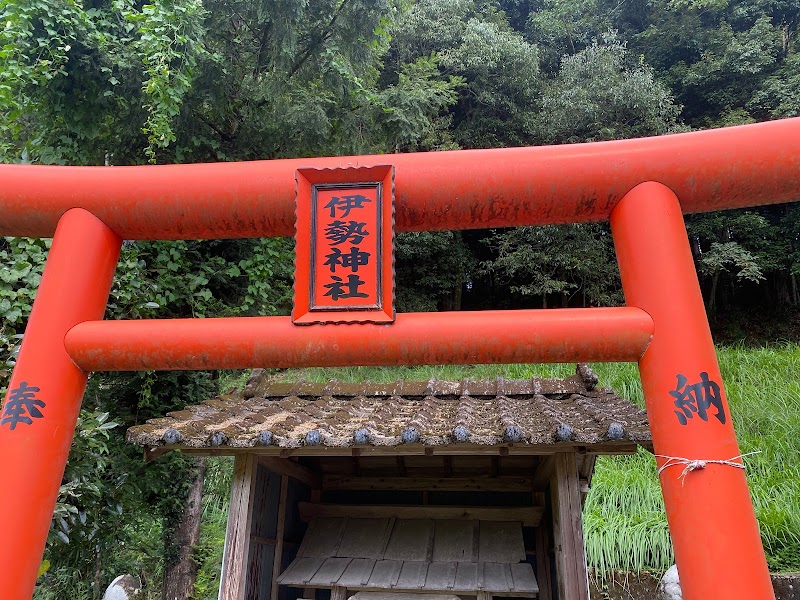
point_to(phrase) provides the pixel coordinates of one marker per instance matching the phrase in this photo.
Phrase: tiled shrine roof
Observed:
(431, 413)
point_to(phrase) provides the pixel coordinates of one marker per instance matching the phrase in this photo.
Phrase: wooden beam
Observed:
(285, 466)
(338, 593)
(586, 472)
(545, 469)
(419, 449)
(572, 575)
(257, 539)
(429, 484)
(237, 536)
(279, 534)
(394, 593)
(586, 467)
(154, 453)
(529, 516)
(543, 564)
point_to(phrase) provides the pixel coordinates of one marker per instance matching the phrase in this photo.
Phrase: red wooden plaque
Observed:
(344, 246)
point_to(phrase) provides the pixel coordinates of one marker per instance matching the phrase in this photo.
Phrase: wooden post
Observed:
(279, 533)
(542, 549)
(573, 579)
(543, 564)
(237, 535)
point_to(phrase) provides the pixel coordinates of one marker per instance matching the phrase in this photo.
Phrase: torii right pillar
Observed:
(713, 526)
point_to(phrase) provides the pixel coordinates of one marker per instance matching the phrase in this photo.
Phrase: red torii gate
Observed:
(643, 186)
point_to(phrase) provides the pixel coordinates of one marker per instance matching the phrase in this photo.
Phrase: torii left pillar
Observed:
(41, 407)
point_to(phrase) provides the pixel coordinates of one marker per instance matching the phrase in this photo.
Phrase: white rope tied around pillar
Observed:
(690, 465)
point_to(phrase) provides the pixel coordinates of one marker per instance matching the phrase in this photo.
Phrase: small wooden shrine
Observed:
(431, 490)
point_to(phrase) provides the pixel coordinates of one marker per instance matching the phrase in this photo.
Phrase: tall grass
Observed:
(208, 553)
(617, 375)
(764, 392)
(624, 523)
(624, 519)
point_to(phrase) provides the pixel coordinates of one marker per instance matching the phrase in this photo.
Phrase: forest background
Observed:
(120, 82)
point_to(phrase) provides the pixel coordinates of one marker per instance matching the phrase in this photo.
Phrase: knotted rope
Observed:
(690, 465)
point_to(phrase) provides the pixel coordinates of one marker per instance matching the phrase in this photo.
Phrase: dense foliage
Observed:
(117, 82)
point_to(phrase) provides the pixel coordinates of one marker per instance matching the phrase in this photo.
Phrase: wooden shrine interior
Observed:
(275, 498)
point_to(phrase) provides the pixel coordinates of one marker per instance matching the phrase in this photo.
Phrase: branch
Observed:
(326, 34)
(312, 46)
(226, 137)
(262, 48)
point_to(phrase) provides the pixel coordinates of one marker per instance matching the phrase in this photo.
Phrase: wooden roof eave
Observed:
(611, 447)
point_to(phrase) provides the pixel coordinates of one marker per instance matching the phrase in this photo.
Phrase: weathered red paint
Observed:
(563, 335)
(711, 518)
(74, 288)
(708, 170)
(713, 528)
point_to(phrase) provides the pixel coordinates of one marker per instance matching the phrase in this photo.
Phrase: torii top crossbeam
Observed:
(718, 169)
(642, 186)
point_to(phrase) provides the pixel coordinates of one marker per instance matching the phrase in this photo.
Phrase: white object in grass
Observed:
(670, 586)
(124, 587)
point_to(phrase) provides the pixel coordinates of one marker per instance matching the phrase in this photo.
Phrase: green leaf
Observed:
(43, 568)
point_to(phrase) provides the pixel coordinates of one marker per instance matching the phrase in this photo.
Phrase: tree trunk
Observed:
(98, 575)
(457, 294)
(458, 238)
(180, 576)
(712, 296)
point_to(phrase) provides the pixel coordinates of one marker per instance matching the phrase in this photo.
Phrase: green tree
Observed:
(22, 261)
(563, 28)
(499, 69)
(721, 57)
(432, 268)
(81, 81)
(734, 249)
(572, 264)
(414, 115)
(599, 93)
(779, 95)
(602, 93)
